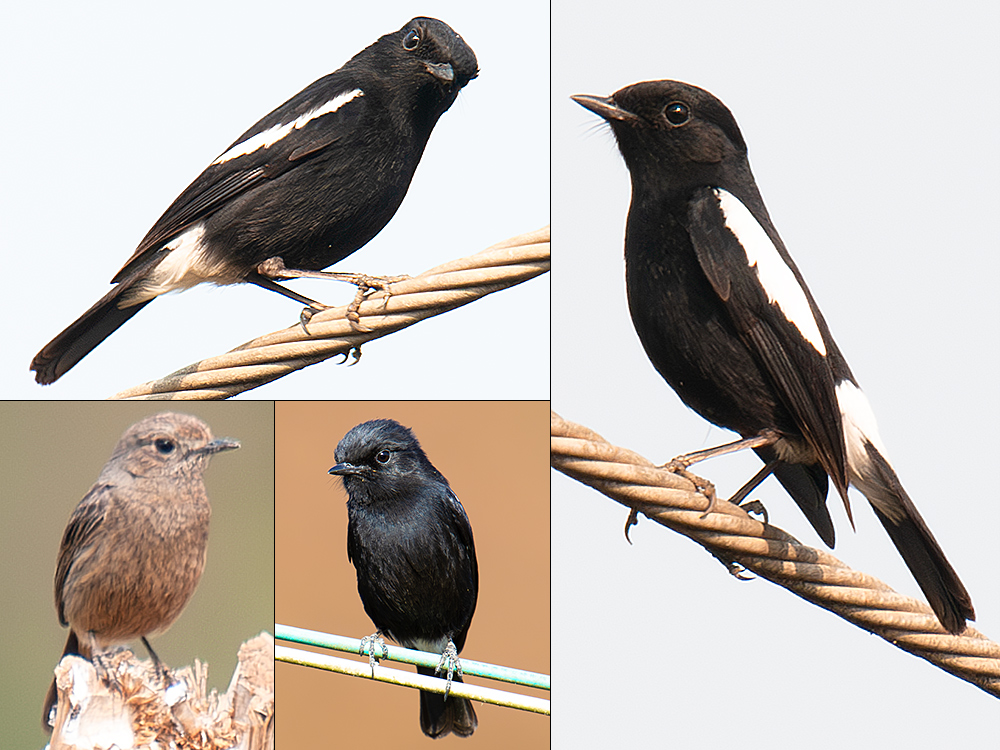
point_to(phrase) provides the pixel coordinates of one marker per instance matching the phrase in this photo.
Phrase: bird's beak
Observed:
(220, 444)
(441, 71)
(604, 106)
(347, 470)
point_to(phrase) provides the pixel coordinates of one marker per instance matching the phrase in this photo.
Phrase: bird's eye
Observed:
(677, 113)
(382, 457)
(164, 446)
(411, 40)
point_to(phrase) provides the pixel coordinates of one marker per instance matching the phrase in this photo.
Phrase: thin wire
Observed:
(408, 679)
(411, 656)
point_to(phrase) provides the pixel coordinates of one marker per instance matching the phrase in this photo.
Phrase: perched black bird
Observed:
(411, 543)
(310, 183)
(726, 319)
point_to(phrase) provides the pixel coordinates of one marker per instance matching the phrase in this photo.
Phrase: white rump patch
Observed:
(780, 284)
(183, 266)
(274, 134)
(859, 426)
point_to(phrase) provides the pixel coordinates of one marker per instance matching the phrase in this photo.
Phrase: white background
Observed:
(872, 130)
(111, 109)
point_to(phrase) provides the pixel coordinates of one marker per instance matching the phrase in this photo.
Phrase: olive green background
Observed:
(50, 455)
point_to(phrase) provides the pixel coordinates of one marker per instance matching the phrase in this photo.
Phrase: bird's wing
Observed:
(771, 308)
(86, 519)
(312, 121)
(463, 531)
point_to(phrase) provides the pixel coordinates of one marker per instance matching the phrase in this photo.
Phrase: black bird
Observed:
(726, 319)
(309, 184)
(411, 543)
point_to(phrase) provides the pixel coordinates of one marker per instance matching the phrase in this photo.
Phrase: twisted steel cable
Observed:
(330, 333)
(734, 537)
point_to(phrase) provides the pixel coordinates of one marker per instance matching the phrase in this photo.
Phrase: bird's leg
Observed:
(101, 659)
(371, 642)
(766, 437)
(680, 464)
(161, 670)
(755, 506)
(449, 659)
(274, 270)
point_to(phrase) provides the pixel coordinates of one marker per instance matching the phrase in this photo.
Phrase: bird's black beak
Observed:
(347, 470)
(441, 71)
(604, 106)
(220, 444)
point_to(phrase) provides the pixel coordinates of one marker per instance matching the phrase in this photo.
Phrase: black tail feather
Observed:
(916, 544)
(83, 335)
(72, 647)
(808, 485)
(440, 716)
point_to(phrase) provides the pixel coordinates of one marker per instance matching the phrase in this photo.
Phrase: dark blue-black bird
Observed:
(726, 318)
(411, 544)
(309, 184)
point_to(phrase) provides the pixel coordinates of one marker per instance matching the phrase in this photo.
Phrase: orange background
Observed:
(496, 458)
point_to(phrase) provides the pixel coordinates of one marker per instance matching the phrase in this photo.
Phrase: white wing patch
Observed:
(775, 276)
(274, 134)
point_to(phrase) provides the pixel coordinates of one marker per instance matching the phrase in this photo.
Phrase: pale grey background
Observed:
(873, 136)
(110, 109)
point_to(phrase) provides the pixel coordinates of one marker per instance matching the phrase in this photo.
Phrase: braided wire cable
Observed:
(330, 333)
(733, 536)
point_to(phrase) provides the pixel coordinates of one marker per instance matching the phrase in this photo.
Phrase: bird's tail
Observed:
(915, 542)
(440, 716)
(73, 646)
(85, 333)
(807, 484)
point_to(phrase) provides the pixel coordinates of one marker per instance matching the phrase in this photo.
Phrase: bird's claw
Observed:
(756, 506)
(307, 314)
(633, 520)
(354, 354)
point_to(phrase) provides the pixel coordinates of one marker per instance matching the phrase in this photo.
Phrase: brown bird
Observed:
(134, 548)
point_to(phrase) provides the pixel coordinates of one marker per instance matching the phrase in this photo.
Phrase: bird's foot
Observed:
(274, 269)
(679, 466)
(450, 661)
(371, 642)
(106, 665)
(366, 285)
(353, 354)
(736, 570)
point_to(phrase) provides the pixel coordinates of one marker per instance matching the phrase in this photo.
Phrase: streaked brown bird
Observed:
(134, 548)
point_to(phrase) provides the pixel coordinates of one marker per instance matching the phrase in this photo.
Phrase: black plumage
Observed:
(411, 544)
(726, 318)
(311, 183)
